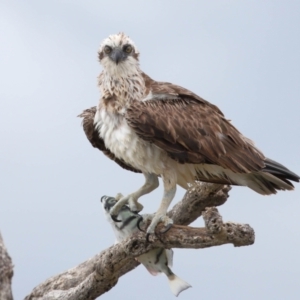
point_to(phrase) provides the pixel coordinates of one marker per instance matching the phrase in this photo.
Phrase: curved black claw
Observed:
(147, 237)
(138, 224)
(115, 218)
(168, 227)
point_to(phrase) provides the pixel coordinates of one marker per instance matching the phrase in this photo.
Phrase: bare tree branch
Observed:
(99, 274)
(6, 273)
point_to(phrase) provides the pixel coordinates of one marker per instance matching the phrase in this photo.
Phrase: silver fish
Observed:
(156, 261)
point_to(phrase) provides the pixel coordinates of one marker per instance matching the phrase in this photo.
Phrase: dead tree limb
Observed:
(6, 273)
(99, 274)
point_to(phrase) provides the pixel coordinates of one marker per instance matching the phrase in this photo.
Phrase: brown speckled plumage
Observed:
(163, 129)
(192, 130)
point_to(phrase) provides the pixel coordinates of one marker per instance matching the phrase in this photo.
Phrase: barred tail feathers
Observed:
(177, 285)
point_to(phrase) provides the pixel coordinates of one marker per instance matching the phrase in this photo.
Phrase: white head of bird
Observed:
(119, 56)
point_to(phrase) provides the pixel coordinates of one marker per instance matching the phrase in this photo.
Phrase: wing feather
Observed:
(92, 134)
(191, 130)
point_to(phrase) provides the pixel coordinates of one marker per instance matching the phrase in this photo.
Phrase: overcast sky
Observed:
(243, 56)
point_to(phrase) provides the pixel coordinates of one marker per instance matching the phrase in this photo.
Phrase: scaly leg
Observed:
(150, 184)
(169, 180)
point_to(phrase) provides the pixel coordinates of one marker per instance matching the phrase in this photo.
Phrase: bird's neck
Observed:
(123, 83)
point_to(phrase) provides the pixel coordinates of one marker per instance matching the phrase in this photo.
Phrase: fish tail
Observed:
(177, 285)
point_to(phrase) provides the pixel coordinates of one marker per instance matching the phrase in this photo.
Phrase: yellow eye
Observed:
(128, 49)
(107, 49)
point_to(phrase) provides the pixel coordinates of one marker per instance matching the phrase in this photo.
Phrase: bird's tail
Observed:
(272, 178)
(280, 171)
(177, 285)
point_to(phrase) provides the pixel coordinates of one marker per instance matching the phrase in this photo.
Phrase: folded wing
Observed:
(191, 130)
(92, 134)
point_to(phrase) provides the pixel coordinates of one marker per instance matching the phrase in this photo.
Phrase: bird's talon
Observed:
(119, 196)
(147, 237)
(168, 227)
(138, 224)
(115, 218)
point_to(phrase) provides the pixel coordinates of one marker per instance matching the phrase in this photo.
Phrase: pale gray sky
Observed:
(243, 56)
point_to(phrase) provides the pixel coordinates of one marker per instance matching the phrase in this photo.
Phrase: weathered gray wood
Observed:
(6, 273)
(99, 274)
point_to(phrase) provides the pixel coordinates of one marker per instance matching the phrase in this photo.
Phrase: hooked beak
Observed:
(117, 55)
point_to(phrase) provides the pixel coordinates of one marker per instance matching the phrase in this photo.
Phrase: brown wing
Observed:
(191, 129)
(97, 142)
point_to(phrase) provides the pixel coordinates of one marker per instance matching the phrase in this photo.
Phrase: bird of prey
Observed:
(163, 130)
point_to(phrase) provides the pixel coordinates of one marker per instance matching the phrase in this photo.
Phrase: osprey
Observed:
(161, 129)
